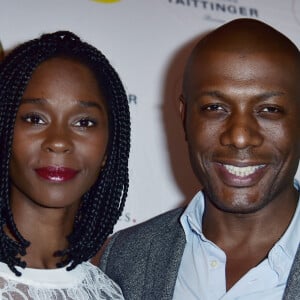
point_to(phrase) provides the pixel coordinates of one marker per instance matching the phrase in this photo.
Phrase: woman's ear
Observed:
(104, 161)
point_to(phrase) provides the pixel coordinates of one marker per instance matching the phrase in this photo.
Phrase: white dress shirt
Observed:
(202, 270)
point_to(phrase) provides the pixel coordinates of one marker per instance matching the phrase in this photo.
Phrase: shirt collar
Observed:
(191, 221)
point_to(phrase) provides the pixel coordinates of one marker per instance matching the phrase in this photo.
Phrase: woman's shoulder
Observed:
(84, 282)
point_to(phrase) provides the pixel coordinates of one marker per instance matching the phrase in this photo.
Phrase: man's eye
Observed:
(33, 119)
(271, 109)
(213, 107)
(86, 122)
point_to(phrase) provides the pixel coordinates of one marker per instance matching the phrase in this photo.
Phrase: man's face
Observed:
(242, 122)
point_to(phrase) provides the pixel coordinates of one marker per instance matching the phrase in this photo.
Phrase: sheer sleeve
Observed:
(85, 282)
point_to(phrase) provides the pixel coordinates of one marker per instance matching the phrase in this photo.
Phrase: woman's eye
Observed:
(85, 123)
(33, 119)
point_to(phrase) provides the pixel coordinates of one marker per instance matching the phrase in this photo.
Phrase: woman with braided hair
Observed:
(65, 139)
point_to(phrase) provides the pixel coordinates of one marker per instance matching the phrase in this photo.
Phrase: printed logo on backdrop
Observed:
(296, 10)
(106, 1)
(215, 9)
(127, 218)
(132, 99)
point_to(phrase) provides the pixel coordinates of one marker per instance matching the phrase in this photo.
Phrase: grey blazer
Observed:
(144, 259)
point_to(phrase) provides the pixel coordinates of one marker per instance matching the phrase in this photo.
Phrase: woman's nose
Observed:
(57, 140)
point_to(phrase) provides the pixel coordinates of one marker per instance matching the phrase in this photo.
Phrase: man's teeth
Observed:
(242, 171)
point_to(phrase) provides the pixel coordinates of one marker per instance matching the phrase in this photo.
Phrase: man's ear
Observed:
(182, 112)
(182, 107)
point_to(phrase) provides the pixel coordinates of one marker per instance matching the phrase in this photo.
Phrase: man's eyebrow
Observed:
(267, 95)
(214, 94)
(44, 101)
(263, 95)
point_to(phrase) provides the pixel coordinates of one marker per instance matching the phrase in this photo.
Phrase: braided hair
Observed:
(102, 205)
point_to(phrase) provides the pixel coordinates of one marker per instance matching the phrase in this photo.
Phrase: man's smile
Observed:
(238, 176)
(242, 171)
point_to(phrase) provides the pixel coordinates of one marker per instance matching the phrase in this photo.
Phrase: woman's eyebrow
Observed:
(82, 103)
(33, 101)
(90, 104)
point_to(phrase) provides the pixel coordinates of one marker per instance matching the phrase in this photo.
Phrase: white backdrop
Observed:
(147, 41)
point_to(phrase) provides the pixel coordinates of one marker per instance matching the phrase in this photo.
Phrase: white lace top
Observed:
(85, 282)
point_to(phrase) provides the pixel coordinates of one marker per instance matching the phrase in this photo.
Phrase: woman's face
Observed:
(60, 136)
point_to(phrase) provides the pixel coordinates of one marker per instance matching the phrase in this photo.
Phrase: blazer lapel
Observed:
(292, 290)
(164, 259)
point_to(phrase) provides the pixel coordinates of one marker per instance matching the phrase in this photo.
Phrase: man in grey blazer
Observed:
(238, 237)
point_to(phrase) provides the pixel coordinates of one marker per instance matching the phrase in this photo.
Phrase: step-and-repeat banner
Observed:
(147, 41)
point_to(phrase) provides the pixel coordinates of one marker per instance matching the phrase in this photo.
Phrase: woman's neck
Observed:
(46, 229)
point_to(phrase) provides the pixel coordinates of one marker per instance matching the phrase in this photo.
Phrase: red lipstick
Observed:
(56, 174)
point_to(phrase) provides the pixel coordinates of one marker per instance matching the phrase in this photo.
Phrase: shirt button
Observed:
(214, 263)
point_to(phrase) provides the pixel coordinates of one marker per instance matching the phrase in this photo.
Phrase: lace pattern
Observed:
(85, 282)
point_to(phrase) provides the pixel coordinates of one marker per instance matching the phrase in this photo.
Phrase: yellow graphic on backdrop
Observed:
(106, 1)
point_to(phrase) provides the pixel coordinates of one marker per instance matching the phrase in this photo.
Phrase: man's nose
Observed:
(242, 131)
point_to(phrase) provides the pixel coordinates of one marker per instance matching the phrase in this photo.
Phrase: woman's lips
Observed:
(56, 174)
